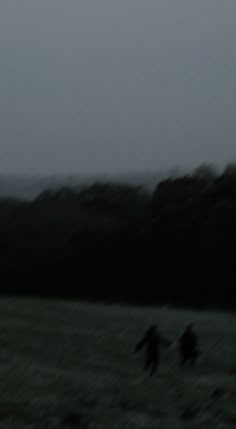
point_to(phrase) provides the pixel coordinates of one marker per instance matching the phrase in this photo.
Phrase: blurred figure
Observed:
(152, 341)
(188, 346)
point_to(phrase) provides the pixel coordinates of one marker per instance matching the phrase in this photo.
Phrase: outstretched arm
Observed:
(141, 343)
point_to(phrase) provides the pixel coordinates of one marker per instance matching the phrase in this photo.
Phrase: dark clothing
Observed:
(152, 363)
(188, 347)
(152, 342)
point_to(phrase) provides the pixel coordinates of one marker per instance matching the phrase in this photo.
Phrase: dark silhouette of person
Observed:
(152, 341)
(188, 346)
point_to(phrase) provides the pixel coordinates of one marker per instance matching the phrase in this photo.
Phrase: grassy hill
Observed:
(70, 365)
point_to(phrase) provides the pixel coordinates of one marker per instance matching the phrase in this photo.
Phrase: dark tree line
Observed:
(121, 243)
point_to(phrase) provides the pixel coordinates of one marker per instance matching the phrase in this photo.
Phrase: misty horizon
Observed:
(102, 87)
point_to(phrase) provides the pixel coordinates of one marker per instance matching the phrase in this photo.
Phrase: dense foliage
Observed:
(117, 242)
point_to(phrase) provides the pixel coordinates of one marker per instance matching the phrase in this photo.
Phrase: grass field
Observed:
(70, 365)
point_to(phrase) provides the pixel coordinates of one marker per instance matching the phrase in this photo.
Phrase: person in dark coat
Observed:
(188, 347)
(152, 342)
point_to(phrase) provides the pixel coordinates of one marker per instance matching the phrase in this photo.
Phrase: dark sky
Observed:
(90, 86)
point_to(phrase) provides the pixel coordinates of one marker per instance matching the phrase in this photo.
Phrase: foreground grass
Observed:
(70, 365)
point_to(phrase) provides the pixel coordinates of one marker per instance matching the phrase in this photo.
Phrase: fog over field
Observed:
(117, 188)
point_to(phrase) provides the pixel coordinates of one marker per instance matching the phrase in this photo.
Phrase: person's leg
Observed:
(155, 364)
(193, 359)
(147, 363)
(183, 359)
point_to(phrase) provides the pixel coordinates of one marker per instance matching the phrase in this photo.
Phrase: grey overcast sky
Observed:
(90, 86)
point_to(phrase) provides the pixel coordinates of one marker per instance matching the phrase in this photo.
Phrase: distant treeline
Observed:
(121, 243)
